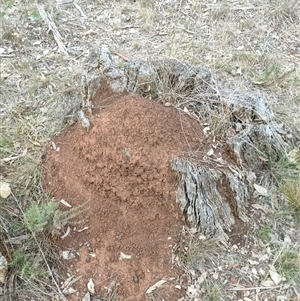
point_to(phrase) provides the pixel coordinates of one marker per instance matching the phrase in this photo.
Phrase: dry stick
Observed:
(121, 55)
(60, 2)
(80, 10)
(58, 38)
(49, 269)
(186, 30)
(253, 288)
(14, 157)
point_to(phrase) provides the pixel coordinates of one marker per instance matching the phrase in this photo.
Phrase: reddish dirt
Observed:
(122, 166)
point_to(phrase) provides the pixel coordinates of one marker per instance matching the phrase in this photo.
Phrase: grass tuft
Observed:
(283, 12)
(291, 190)
(194, 253)
(265, 234)
(286, 171)
(39, 217)
(26, 266)
(212, 292)
(288, 265)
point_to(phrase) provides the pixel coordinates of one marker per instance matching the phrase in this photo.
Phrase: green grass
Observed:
(268, 74)
(212, 292)
(39, 217)
(27, 267)
(265, 234)
(288, 265)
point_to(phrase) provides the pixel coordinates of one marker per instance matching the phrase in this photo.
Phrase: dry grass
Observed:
(252, 45)
(196, 253)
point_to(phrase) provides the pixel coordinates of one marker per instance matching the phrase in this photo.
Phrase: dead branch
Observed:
(58, 38)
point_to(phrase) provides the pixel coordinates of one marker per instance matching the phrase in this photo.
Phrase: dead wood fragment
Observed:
(57, 36)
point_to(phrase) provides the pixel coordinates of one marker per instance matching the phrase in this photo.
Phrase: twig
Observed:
(125, 58)
(186, 30)
(60, 2)
(7, 55)
(80, 10)
(16, 240)
(278, 254)
(129, 26)
(14, 157)
(253, 288)
(160, 34)
(58, 38)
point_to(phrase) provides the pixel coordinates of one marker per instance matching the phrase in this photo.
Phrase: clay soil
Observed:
(122, 167)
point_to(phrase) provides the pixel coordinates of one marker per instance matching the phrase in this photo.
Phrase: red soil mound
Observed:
(122, 166)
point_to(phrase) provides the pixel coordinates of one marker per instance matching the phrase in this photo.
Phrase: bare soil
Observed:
(122, 167)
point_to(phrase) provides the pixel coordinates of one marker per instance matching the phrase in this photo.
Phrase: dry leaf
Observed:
(3, 268)
(275, 277)
(257, 206)
(253, 262)
(67, 255)
(4, 75)
(91, 286)
(65, 203)
(53, 145)
(239, 71)
(4, 190)
(193, 291)
(268, 283)
(294, 155)
(202, 278)
(87, 297)
(67, 233)
(205, 130)
(124, 256)
(193, 230)
(261, 190)
(69, 291)
(155, 286)
(210, 152)
(263, 159)
(83, 229)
